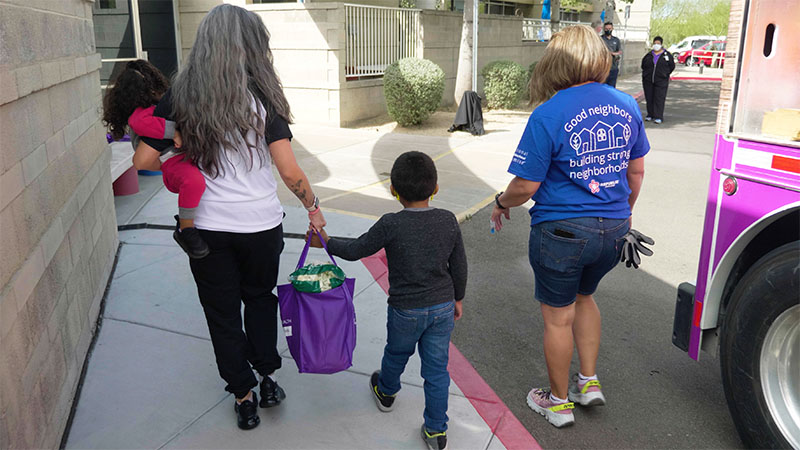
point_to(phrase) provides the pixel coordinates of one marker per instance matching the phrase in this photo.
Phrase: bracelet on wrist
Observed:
(314, 205)
(311, 213)
(497, 200)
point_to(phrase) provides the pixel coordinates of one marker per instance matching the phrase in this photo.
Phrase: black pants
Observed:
(612, 77)
(655, 95)
(242, 267)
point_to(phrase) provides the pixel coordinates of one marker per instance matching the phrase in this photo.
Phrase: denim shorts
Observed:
(571, 256)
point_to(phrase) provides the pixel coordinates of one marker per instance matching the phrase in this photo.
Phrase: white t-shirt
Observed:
(241, 199)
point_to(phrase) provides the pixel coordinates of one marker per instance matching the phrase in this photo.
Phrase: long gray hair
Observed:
(229, 63)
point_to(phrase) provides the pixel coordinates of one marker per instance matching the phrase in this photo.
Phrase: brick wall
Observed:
(57, 224)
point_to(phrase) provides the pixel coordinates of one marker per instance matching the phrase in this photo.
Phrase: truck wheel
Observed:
(759, 351)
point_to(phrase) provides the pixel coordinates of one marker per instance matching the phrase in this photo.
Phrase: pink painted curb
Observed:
(681, 78)
(503, 423)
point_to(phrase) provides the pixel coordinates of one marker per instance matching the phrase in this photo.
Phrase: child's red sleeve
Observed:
(144, 123)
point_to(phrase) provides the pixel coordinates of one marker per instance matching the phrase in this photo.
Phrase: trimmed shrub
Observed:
(413, 89)
(504, 84)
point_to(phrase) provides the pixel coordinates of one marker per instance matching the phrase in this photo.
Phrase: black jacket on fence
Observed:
(659, 72)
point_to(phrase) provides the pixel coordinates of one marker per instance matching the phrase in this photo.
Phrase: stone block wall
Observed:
(57, 224)
(306, 41)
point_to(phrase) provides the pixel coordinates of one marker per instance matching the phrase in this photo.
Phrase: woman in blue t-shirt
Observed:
(580, 159)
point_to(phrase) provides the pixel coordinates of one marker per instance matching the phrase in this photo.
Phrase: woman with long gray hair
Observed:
(233, 121)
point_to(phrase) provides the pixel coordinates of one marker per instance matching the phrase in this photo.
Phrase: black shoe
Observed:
(385, 402)
(271, 393)
(190, 241)
(434, 441)
(247, 413)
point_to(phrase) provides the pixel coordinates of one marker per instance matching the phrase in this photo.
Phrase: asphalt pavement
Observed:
(657, 396)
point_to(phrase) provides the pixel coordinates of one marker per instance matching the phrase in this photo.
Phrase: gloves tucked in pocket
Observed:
(632, 245)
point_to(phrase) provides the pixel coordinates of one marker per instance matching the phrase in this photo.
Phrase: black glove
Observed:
(632, 246)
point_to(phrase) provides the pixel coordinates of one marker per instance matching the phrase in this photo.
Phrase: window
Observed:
(107, 4)
(497, 7)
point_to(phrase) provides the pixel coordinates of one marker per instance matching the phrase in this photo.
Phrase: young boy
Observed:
(427, 272)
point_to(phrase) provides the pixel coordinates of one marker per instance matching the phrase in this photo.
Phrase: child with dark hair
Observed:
(130, 102)
(427, 280)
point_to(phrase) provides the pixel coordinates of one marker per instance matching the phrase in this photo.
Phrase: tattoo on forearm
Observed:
(299, 190)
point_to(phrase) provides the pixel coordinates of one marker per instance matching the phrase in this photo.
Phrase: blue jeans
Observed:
(571, 256)
(430, 328)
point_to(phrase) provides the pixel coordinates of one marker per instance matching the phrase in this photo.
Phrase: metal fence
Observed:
(541, 30)
(631, 33)
(377, 37)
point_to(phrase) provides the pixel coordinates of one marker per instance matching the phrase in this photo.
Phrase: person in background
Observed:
(615, 47)
(597, 26)
(657, 65)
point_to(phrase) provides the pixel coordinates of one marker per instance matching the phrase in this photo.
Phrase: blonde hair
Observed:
(574, 55)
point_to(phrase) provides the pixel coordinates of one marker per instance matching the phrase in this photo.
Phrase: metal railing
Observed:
(378, 36)
(632, 33)
(568, 23)
(537, 30)
(541, 30)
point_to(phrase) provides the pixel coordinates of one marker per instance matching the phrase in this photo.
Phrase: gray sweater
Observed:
(427, 263)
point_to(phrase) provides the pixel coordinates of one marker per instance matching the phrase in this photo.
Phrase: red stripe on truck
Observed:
(785, 163)
(698, 312)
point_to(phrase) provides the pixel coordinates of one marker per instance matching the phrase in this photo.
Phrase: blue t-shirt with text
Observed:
(578, 145)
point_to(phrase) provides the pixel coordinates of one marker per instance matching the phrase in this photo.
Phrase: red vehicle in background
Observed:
(710, 54)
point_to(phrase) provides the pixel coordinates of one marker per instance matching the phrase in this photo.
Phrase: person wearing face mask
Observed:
(615, 47)
(657, 65)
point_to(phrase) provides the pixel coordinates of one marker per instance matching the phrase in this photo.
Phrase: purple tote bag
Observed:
(320, 327)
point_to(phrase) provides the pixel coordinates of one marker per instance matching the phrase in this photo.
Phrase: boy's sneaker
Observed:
(434, 441)
(271, 393)
(247, 413)
(586, 394)
(385, 402)
(658, 121)
(648, 119)
(190, 241)
(558, 414)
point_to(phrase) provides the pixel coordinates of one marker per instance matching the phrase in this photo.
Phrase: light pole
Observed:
(475, 45)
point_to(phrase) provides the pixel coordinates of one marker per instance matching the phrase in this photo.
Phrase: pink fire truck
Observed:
(746, 300)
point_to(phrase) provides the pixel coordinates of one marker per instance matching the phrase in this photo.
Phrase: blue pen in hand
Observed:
(491, 226)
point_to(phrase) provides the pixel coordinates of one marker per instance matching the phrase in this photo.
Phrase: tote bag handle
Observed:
(303, 255)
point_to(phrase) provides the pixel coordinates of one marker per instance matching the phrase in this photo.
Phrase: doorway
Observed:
(127, 30)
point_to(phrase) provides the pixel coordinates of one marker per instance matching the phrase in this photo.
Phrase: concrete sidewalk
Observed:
(152, 381)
